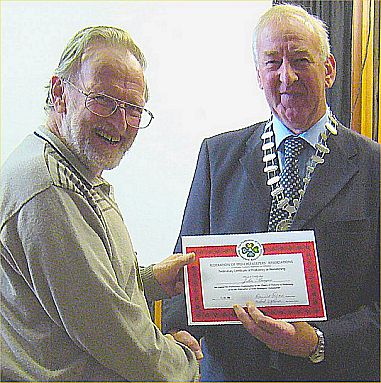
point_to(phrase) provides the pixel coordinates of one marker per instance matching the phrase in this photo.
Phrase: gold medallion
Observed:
(284, 225)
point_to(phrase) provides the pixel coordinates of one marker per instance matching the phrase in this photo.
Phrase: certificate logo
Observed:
(249, 249)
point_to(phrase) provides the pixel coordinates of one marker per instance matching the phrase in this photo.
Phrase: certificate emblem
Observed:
(249, 249)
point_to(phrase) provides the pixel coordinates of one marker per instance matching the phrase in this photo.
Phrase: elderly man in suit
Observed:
(242, 184)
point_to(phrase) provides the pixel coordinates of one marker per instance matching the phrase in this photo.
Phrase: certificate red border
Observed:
(314, 310)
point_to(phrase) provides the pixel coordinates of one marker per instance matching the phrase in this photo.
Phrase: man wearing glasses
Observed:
(73, 305)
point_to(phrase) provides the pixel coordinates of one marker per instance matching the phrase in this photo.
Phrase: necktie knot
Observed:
(293, 146)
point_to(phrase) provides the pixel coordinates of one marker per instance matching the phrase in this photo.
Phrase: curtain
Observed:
(366, 68)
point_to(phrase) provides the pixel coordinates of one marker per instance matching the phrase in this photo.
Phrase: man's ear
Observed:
(57, 95)
(330, 71)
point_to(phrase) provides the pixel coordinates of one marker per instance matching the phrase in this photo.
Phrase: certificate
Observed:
(279, 272)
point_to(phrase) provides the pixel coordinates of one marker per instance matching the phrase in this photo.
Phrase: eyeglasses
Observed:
(104, 106)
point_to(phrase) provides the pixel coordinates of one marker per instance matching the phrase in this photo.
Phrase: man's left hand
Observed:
(168, 272)
(296, 339)
(185, 338)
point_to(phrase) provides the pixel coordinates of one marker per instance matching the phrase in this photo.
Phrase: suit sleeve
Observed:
(353, 340)
(196, 221)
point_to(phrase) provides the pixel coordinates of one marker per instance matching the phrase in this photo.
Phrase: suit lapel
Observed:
(328, 180)
(253, 165)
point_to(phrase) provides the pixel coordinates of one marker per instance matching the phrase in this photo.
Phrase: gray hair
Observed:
(281, 13)
(71, 56)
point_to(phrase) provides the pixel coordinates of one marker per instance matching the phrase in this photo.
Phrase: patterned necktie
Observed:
(289, 179)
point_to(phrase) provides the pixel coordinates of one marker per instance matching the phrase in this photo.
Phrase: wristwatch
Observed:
(317, 355)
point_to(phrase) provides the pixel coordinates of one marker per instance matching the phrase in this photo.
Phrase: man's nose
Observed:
(287, 73)
(120, 117)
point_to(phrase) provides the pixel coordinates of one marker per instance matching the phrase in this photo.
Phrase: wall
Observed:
(202, 82)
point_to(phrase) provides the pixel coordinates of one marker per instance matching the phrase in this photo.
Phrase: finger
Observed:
(243, 316)
(184, 259)
(270, 325)
(187, 339)
(249, 320)
(254, 312)
(251, 324)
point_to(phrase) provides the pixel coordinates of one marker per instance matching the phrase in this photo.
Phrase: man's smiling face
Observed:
(101, 142)
(293, 74)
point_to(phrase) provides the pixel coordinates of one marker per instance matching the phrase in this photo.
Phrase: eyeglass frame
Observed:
(118, 104)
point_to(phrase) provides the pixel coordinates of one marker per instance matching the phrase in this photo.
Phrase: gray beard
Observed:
(85, 152)
(91, 159)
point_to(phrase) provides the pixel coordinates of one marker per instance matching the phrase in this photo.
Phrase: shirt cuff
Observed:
(152, 288)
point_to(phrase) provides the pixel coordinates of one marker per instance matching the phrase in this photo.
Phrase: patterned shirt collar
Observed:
(63, 150)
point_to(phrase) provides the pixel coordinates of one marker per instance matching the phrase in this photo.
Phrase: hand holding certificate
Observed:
(278, 271)
(297, 338)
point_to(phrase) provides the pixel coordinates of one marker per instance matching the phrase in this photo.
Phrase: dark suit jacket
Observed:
(342, 204)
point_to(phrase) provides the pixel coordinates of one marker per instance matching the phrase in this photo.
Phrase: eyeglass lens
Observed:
(104, 106)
